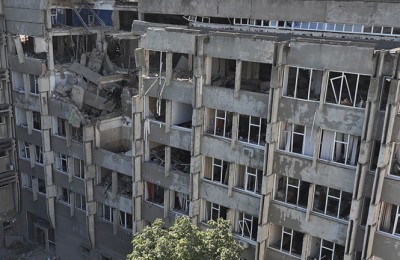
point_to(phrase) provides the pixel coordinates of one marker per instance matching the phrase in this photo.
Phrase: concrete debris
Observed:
(11, 240)
(157, 155)
(180, 160)
(77, 95)
(96, 60)
(63, 90)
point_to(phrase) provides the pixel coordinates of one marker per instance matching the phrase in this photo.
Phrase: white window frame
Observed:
(243, 223)
(330, 196)
(214, 207)
(39, 154)
(185, 203)
(123, 217)
(26, 180)
(82, 199)
(61, 195)
(251, 125)
(81, 173)
(35, 85)
(287, 185)
(224, 119)
(332, 249)
(310, 82)
(104, 208)
(248, 175)
(396, 219)
(289, 232)
(61, 127)
(24, 150)
(59, 162)
(220, 172)
(333, 157)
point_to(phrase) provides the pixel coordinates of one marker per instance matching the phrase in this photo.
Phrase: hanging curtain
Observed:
(385, 220)
(326, 145)
(150, 191)
(226, 175)
(354, 142)
(309, 141)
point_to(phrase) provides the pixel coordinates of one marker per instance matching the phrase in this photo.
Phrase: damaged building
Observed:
(280, 116)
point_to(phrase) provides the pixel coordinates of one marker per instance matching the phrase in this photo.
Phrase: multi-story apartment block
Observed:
(281, 116)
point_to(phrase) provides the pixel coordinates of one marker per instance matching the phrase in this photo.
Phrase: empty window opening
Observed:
(180, 160)
(80, 202)
(70, 48)
(63, 195)
(182, 67)
(125, 220)
(34, 84)
(42, 186)
(157, 64)
(347, 89)
(395, 160)
(20, 117)
(181, 202)
(105, 212)
(157, 109)
(297, 139)
(61, 17)
(289, 241)
(332, 202)
(154, 193)
(374, 155)
(339, 147)
(157, 153)
(216, 170)
(124, 185)
(223, 72)
(385, 87)
(39, 154)
(126, 19)
(255, 77)
(292, 191)
(365, 210)
(303, 83)
(26, 180)
(252, 129)
(247, 226)
(62, 162)
(249, 179)
(181, 114)
(104, 178)
(331, 251)
(165, 18)
(214, 211)
(76, 134)
(219, 122)
(37, 124)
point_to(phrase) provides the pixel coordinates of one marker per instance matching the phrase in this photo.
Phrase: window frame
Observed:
(244, 219)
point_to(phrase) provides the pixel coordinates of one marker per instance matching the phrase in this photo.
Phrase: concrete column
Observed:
(114, 184)
(115, 221)
(29, 121)
(238, 77)
(167, 159)
(168, 115)
(235, 129)
(168, 68)
(72, 204)
(68, 133)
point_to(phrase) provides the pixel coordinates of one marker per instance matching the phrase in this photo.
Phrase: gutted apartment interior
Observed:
(279, 119)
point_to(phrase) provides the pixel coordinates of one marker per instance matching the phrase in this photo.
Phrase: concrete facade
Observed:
(283, 120)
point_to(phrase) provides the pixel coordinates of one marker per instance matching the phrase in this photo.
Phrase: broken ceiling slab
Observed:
(111, 79)
(96, 60)
(93, 100)
(30, 66)
(77, 96)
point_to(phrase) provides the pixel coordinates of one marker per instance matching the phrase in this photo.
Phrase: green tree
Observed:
(185, 241)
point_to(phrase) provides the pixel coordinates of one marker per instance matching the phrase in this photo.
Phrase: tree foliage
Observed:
(185, 241)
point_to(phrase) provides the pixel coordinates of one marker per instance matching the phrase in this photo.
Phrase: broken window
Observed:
(181, 114)
(42, 186)
(339, 147)
(79, 168)
(154, 193)
(36, 120)
(34, 84)
(214, 211)
(220, 123)
(157, 153)
(247, 226)
(330, 250)
(395, 160)
(385, 87)
(157, 109)
(76, 134)
(39, 154)
(297, 139)
(255, 77)
(63, 195)
(332, 202)
(62, 162)
(374, 155)
(105, 212)
(26, 180)
(180, 160)
(216, 170)
(347, 89)
(291, 241)
(303, 83)
(223, 72)
(292, 191)
(181, 202)
(252, 129)
(61, 127)
(24, 150)
(80, 202)
(125, 220)
(249, 179)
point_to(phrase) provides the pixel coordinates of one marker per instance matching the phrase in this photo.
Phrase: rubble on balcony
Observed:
(180, 160)
(157, 155)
